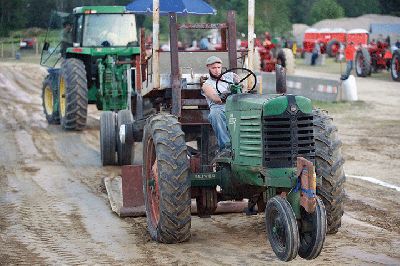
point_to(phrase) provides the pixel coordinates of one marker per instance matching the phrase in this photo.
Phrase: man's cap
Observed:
(213, 59)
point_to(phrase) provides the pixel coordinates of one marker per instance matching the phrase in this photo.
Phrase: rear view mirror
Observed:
(46, 46)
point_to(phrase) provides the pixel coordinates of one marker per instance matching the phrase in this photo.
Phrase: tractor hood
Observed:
(273, 104)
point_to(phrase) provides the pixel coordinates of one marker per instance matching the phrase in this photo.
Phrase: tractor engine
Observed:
(268, 134)
(112, 93)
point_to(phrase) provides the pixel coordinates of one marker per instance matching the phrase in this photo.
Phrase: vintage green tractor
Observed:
(285, 157)
(97, 68)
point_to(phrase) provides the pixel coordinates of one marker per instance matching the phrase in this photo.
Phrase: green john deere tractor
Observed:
(285, 156)
(97, 68)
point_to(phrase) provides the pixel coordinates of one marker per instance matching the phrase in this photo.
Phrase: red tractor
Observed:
(373, 58)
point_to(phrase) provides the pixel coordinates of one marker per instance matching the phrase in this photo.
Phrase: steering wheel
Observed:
(250, 73)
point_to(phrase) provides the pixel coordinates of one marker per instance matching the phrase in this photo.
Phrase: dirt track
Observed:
(53, 209)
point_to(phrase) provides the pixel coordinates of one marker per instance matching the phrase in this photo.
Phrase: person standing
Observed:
(315, 53)
(349, 53)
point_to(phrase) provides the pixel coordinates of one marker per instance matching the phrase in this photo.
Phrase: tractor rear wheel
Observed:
(49, 102)
(282, 230)
(329, 168)
(107, 138)
(363, 63)
(312, 231)
(395, 66)
(124, 151)
(332, 48)
(73, 94)
(166, 182)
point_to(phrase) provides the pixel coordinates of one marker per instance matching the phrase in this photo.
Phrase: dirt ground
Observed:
(54, 210)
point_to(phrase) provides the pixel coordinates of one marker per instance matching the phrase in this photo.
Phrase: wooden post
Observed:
(156, 45)
(12, 50)
(250, 40)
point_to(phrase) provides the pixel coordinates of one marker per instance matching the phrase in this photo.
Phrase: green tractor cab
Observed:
(96, 66)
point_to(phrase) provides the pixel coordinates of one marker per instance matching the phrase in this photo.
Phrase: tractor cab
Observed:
(93, 28)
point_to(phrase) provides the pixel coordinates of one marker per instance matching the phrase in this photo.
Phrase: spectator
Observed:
(397, 44)
(349, 52)
(204, 43)
(315, 53)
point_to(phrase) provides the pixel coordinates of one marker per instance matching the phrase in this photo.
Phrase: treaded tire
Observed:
(281, 228)
(329, 169)
(166, 182)
(107, 138)
(312, 241)
(49, 101)
(363, 63)
(124, 151)
(395, 66)
(73, 94)
(329, 48)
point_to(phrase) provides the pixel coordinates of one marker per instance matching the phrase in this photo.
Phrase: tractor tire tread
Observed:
(329, 168)
(174, 182)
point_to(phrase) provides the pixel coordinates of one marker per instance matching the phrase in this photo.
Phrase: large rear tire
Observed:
(73, 94)
(124, 151)
(332, 48)
(107, 138)
(50, 102)
(281, 227)
(166, 182)
(363, 63)
(312, 231)
(395, 66)
(329, 168)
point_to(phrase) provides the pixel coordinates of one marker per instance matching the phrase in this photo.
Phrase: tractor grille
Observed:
(285, 137)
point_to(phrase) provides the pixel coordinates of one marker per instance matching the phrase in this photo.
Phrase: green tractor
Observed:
(285, 157)
(98, 68)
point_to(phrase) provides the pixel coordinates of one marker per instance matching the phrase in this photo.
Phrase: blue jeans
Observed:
(349, 67)
(217, 120)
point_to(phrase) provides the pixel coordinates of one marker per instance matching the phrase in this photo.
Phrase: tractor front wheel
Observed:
(73, 94)
(395, 66)
(49, 102)
(329, 168)
(312, 231)
(282, 230)
(166, 182)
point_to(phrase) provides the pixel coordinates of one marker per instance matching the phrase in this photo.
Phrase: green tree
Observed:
(325, 9)
(355, 8)
(12, 15)
(272, 16)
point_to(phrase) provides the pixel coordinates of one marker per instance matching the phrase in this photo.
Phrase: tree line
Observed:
(275, 16)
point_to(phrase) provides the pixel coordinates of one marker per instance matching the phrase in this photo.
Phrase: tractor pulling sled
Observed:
(285, 157)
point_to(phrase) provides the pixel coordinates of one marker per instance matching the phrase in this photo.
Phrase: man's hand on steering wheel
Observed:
(224, 95)
(236, 82)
